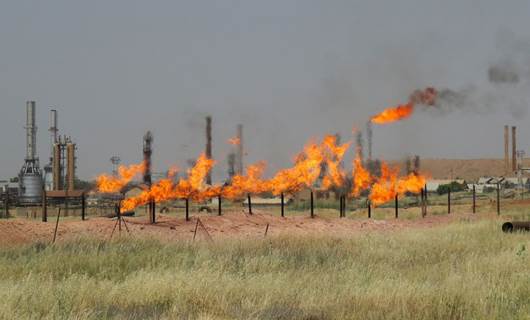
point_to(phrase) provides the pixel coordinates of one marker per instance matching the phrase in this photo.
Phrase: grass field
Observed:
(462, 270)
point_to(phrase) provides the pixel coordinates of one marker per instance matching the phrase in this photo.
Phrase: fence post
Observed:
(369, 209)
(449, 201)
(312, 204)
(396, 204)
(249, 203)
(187, 209)
(83, 206)
(282, 198)
(498, 199)
(44, 206)
(219, 208)
(474, 199)
(344, 206)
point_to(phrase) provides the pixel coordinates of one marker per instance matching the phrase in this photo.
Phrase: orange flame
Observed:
(394, 114)
(304, 173)
(249, 183)
(333, 155)
(165, 189)
(426, 97)
(234, 141)
(361, 177)
(107, 183)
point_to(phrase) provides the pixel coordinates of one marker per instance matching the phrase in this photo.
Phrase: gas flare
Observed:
(165, 189)
(425, 97)
(235, 141)
(107, 183)
(361, 177)
(333, 155)
(249, 183)
(306, 169)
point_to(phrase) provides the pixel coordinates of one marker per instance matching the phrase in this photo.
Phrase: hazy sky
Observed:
(288, 70)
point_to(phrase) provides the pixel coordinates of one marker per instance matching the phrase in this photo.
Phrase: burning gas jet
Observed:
(235, 141)
(425, 97)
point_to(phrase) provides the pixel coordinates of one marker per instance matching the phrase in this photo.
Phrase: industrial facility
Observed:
(58, 174)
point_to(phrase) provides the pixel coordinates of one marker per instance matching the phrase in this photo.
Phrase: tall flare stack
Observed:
(506, 149)
(514, 149)
(240, 150)
(30, 177)
(209, 146)
(148, 151)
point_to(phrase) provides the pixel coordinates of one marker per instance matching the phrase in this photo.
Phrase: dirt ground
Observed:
(211, 227)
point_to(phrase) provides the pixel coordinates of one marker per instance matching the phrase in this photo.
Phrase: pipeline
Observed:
(516, 226)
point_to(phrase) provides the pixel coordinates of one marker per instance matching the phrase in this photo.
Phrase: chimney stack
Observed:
(148, 151)
(506, 150)
(209, 146)
(514, 149)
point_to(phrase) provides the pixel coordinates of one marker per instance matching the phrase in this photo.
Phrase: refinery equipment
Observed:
(48, 169)
(63, 158)
(30, 177)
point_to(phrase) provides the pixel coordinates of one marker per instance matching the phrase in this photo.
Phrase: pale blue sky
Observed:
(289, 70)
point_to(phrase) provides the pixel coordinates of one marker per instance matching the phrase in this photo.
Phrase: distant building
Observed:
(432, 185)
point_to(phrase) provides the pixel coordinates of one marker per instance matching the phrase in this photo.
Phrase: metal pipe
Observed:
(312, 205)
(187, 209)
(474, 199)
(449, 201)
(516, 226)
(83, 206)
(498, 199)
(249, 203)
(56, 225)
(154, 211)
(209, 146)
(369, 209)
(6, 203)
(343, 206)
(31, 131)
(396, 203)
(422, 202)
(514, 149)
(340, 206)
(283, 205)
(219, 209)
(44, 206)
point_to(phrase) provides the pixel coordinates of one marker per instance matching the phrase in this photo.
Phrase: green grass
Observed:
(459, 271)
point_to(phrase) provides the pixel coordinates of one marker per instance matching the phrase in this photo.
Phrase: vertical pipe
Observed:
(283, 205)
(425, 195)
(219, 208)
(56, 225)
(312, 205)
(6, 203)
(340, 206)
(83, 206)
(249, 204)
(209, 146)
(70, 166)
(369, 209)
(449, 201)
(514, 149)
(498, 199)
(396, 204)
(154, 211)
(66, 211)
(187, 209)
(474, 199)
(344, 206)
(422, 202)
(506, 149)
(44, 206)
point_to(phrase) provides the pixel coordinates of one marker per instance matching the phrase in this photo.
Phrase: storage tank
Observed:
(30, 177)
